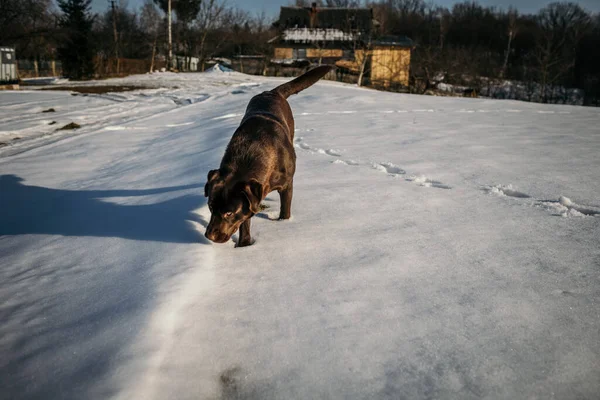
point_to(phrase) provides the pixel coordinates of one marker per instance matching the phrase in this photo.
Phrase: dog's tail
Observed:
(303, 81)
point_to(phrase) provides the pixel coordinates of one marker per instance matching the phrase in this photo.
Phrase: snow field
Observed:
(425, 257)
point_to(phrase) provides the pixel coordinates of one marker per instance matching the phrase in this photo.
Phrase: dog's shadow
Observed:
(266, 216)
(267, 212)
(26, 209)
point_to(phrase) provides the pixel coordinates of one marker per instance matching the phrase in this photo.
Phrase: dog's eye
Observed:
(228, 214)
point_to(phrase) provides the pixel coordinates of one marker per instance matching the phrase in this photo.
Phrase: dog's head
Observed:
(230, 204)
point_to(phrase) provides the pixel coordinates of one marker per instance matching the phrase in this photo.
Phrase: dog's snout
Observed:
(210, 234)
(215, 236)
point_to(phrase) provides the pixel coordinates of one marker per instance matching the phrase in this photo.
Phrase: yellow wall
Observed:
(282, 53)
(315, 53)
(390, 65)
(359, 56)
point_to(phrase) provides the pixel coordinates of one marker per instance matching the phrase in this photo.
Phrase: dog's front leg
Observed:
(285, 198)
(245, 238)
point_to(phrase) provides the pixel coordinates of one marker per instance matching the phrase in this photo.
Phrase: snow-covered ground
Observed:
(439, 248)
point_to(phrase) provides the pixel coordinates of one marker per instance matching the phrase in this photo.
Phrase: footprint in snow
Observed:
(298, 142)
(333, 152)
(426, 182)
(563, 207)
(507, 190)
(388, 168)
(346, 162)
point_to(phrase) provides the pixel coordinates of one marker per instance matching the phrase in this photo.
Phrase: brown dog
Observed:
(259, 159)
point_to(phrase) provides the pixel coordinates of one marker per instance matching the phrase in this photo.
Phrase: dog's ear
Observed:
(210, 180)
(253, 191)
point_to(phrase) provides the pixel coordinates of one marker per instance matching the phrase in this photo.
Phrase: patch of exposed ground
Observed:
(97, 89)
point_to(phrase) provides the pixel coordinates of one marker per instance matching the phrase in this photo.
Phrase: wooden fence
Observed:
(38, 69)
(107, 67)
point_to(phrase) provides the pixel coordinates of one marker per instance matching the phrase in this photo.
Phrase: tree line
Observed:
(467, 44)
(67, 30)
(474, 45)
(485, 49)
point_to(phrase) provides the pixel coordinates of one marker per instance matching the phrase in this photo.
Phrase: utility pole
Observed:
(116, 33)
(169, 62)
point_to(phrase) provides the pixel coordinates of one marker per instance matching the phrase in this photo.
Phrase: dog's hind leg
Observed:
(245, 238)
(285, 198)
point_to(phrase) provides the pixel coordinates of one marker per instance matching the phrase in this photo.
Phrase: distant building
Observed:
(345, 37)
(8, 66)
(185, 64)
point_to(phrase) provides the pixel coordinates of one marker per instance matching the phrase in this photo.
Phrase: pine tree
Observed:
(76, 51)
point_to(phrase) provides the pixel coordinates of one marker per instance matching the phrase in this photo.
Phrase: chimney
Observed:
(313, 15)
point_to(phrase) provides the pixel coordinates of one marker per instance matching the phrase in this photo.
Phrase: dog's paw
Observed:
(245, 243)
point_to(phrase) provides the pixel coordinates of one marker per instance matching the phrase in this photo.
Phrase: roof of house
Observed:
(395, 41)
(327, 18)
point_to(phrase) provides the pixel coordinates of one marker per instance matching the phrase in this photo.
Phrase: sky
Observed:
(271, 7)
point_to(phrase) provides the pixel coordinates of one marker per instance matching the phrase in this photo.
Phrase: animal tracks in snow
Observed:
(506, 191)
(345, 162)
(388, 168)
(424, 181)
(431, 110)
(299, 142)
(333, 152)
(563, 207)
(403, 111)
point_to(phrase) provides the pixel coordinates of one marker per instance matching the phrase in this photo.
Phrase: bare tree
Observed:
(305, 3)
(327, 3)
(512, 32)
(113, 8)
(261, 29)
(30, 25)
(151, 20)
(561, 27)
(444, 22)
(209, 18)
(186, 11)
(167, 7)
(342, 3)
(363, 49)
(214, 27)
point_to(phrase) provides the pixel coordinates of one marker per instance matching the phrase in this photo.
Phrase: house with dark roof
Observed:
(346, 37)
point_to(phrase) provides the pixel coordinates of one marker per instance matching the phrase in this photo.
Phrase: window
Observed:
(299, 54)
